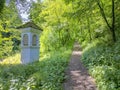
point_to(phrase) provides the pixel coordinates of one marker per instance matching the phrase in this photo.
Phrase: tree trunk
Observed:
(113, 22)
(88, 21)
(111, 27)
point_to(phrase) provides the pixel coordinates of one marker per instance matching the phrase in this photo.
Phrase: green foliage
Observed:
(56, 31)
(6, 47)
(103, 62)
(10, 41)
(1, 4)
(9, 37)
(47, 74)
(90, 29)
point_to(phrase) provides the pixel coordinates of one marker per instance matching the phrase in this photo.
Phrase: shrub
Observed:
(103, 62)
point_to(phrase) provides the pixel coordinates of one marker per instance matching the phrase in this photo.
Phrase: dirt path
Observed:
(77, 75)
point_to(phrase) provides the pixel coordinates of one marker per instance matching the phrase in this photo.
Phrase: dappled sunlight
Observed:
(76, 53)
(77, 50)
(78, 77)
(15, 59)
(82, 81)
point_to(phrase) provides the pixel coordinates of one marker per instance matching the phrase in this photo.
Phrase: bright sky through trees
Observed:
(23, 8)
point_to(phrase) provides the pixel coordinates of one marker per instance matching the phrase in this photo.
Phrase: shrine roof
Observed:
(29, 24)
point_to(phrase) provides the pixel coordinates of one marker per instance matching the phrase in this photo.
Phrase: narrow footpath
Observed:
(77, 75)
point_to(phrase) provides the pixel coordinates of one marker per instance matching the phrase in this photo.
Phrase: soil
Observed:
(77, 75)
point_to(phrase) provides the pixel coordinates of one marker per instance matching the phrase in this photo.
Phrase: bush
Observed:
(6, 49)
(103, 63)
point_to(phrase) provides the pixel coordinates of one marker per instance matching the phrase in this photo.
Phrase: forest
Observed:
(94, 24)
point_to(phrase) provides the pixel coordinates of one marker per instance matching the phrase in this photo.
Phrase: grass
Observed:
(46, 74)
(11, 60)
(103, 63)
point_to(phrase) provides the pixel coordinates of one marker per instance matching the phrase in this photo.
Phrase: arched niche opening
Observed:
(34, 40)
(25, 40)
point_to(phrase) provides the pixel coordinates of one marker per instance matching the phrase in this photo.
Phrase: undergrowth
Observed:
(103, 63)
(46, 74)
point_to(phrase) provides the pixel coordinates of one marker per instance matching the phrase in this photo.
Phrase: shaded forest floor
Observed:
(76, 74)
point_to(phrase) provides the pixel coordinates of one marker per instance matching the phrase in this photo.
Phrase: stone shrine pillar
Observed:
(30, 34)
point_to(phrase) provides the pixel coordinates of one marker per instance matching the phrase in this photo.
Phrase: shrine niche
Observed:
(25, 40)
(34, 40)
(30, 34)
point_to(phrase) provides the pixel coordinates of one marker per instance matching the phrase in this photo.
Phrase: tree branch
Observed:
(103, 14)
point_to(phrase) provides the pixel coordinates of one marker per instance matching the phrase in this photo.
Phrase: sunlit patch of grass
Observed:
(12, 59)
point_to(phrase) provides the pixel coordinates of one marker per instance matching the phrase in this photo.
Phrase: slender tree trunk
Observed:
(88, 21)
(103, 14)
(59, 38)
(58, 29)
(111, 27)
(113, 21)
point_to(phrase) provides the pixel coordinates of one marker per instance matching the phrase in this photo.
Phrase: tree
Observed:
(9, 36)
(50, 16)
(102, 11)
(1, 4)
